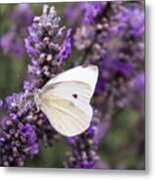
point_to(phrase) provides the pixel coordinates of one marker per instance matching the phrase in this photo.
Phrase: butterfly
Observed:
(65, 99)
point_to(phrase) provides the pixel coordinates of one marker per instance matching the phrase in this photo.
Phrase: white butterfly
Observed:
(65, 99)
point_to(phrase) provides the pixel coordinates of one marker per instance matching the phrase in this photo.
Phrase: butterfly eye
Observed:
(75, 96)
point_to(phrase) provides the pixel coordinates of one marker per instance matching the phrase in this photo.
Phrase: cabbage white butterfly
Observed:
(65, 99)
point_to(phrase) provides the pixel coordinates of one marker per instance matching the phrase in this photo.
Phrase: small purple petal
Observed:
(1, 103)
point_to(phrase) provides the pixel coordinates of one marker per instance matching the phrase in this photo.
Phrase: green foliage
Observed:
(118, 147)
(53, 156)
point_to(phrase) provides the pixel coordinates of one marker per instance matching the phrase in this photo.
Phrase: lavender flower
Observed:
(23, 11)
(48, 47)
(18, 138)
(66, 47)
(91, 10)
(73, 17)
(18, 104)
(111, 37)
(27, 131)
(84, 148)
(12, 42)
(138, 83)
(116, 45)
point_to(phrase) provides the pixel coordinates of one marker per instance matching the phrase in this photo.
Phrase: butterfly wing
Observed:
(65, 99)
(69, 113)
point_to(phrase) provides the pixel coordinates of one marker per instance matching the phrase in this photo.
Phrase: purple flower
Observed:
(25, 130)
(16, 144)
(18, 49)
(27, 85)
(66, 47)
(24, 125)
(83, 37)
(1, 103)
(131, 20)
(18, 103)
(73, 18)
(47, 50)
(138, 83)
(5, 41)
(114, 47)
(12, 42)
(32, 52)
(137, 22)
(13, 116)
(17, 139)
(122, 67)
(23, 11)
(91, 10)
(91, 129)
(107, 38)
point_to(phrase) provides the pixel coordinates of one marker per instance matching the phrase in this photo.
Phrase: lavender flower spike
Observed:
(48, 46)
(12, 42)
(84, 148)
(18, 138)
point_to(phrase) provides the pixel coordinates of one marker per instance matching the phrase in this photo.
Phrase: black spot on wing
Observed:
(75, 96)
